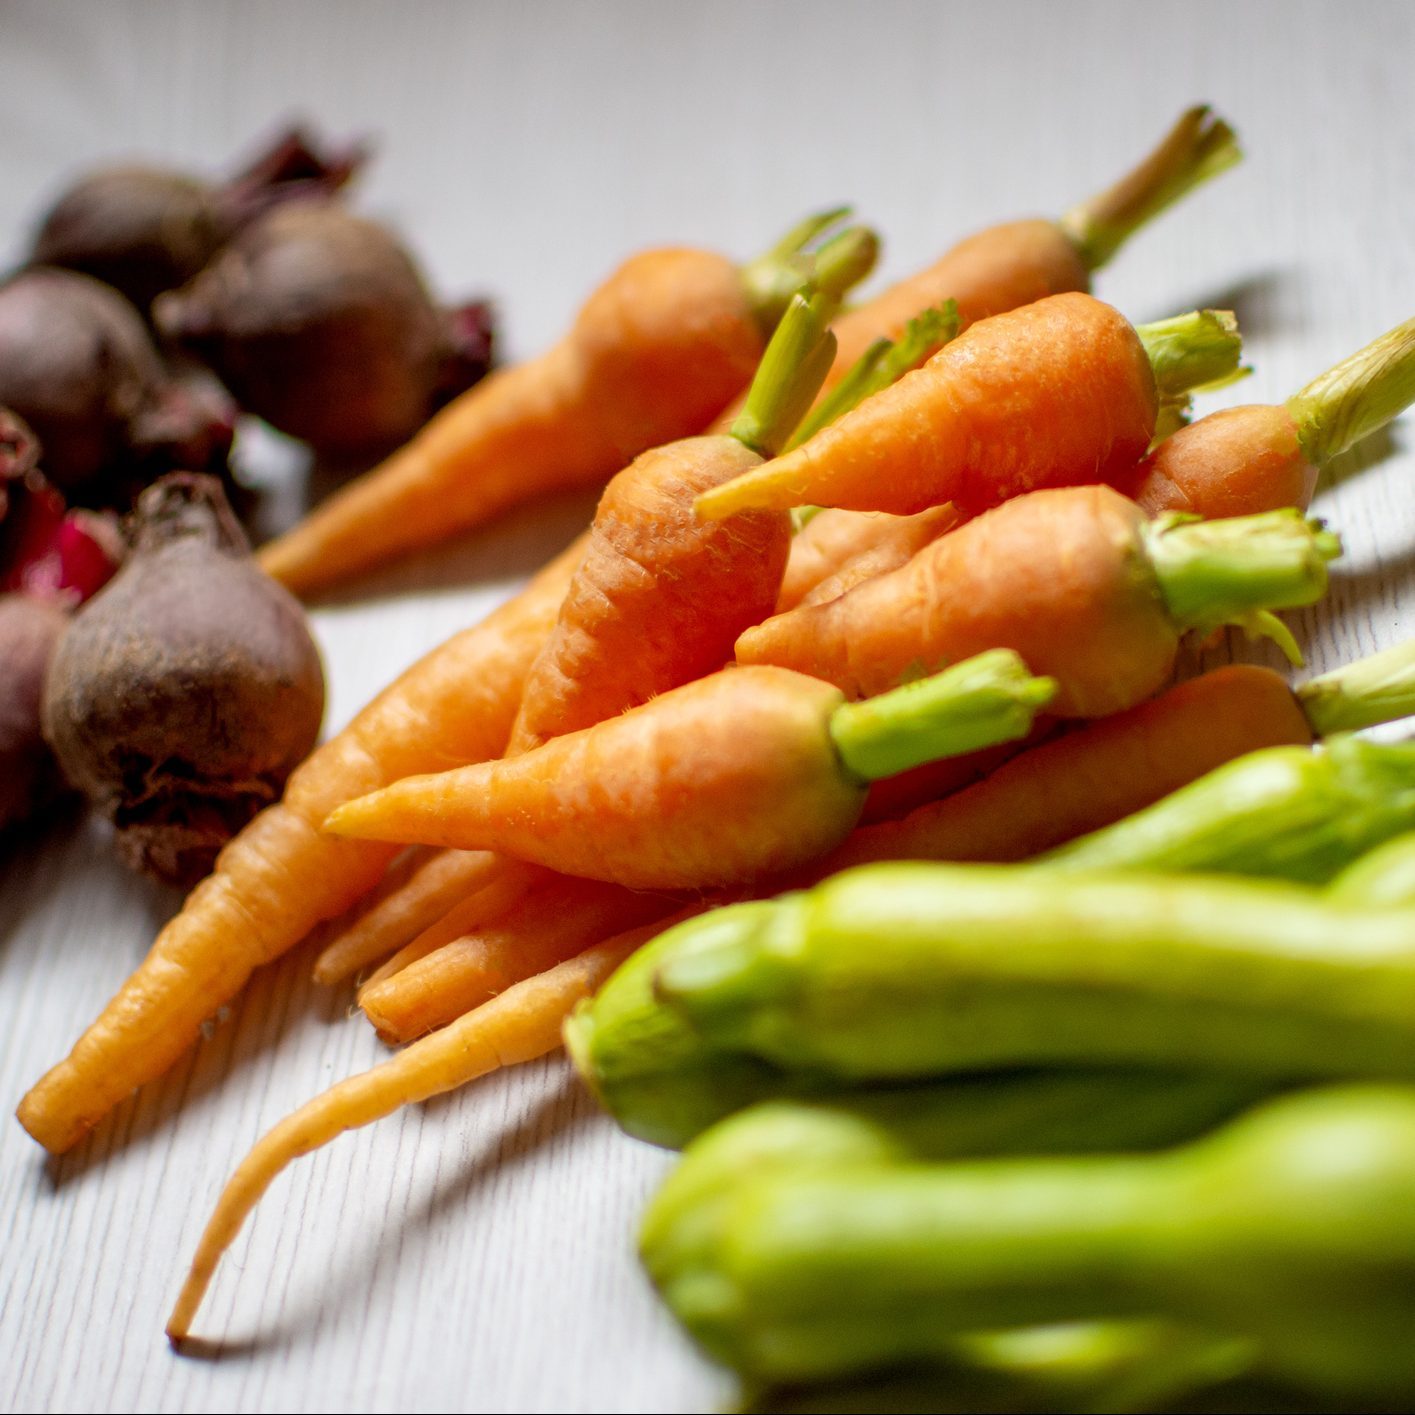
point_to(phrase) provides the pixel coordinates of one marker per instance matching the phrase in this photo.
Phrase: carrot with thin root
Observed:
(1257, 458)
(1059, 392)
(412, 895)
(1106, 771)
(1078, 581)
(540, 930)
(655, 354)
(283, 874)
(502, 884)
(661, 596)
(519, 1025)
(724, 780)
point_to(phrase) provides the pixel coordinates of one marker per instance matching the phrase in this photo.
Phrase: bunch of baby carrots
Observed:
(904, 580)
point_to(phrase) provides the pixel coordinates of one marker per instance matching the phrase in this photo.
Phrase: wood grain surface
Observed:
(477, 1253)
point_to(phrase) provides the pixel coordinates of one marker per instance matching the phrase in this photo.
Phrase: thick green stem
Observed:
(1200, 349)
(790, 374)
(1381, 878)
(1373, 690)
(978, 703)
(1213, 573)
(837, 264)
(1356, 397)
(1198, 147)
(883, 363)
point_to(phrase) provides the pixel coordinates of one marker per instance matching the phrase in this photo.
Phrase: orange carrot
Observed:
(1077, 581)
(1062, 391)
(656, 352)
(519, 1025)
(1107, 770)
(1244, 460)
(413, 894)
(555, 922)
(890, 547)
(282, 874)
(500, 885)
(724, 780)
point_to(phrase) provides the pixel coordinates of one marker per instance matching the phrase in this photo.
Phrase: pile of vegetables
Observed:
(831, 792)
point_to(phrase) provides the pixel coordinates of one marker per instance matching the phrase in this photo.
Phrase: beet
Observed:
(319, 322)
(78, 365)
(144, 230)
(186, 691)
(29, 775)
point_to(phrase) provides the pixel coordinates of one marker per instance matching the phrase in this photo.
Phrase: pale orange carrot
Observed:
(728, 779)
(1059, 392)
(1077, 581)
(282, 874)
(890, 547)
(519, 1025)
(552, 923)
(655, 354)
(1244, 460)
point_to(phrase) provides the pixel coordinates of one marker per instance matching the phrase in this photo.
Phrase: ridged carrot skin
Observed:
(660, 596)
(546, 927)
(655, 354)
(826, 544)
(887, 551)
(1059, 576)
(1056, 393)
(283, 874)
(1094, 776)
(1236, 462)
(652, 799)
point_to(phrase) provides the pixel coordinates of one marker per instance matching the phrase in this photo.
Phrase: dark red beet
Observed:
(144, 230)
(78, 365)
(29, 775)
(187, 690)
(319, 322)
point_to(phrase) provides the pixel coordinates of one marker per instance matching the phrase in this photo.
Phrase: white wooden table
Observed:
(477, 1253)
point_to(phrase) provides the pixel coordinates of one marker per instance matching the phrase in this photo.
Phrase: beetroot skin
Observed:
(319, 322)
(78, 365)
(29, 775)
(185, 692)
(144, 230)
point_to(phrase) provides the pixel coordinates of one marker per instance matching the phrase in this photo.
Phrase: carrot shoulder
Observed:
(283, 874)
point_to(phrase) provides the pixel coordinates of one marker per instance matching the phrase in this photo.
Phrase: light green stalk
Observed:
(1192, 351)
(790, 373)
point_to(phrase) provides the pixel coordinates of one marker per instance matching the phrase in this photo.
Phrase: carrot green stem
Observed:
(837, 264)
(1213, 573)
(1198, 147)
(984, 700)
(1190, 351)
(882, 364)
(790, 374)
(1362, 694)
(1356, 397)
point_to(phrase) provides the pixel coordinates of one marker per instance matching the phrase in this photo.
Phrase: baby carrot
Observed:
(1106, 771)
(518, 1025)
(1077, 580)
(1257, 458)
(560, 919)
(727, 779)
(282, 874)
(655, 354)
(1061, 391)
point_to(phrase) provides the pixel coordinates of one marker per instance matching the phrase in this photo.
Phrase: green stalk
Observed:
(836, 264)
(1383, 877)
(1283, 812)
(882, 364)
(1213, 573)
(906, 970)
(1290, 1230)
(1373, 690)
(1191, 351)
(790, 374)
(1359, 395)
(984, 700)
(1198, 147)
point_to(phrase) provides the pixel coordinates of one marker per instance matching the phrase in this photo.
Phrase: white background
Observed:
(477, 1253)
